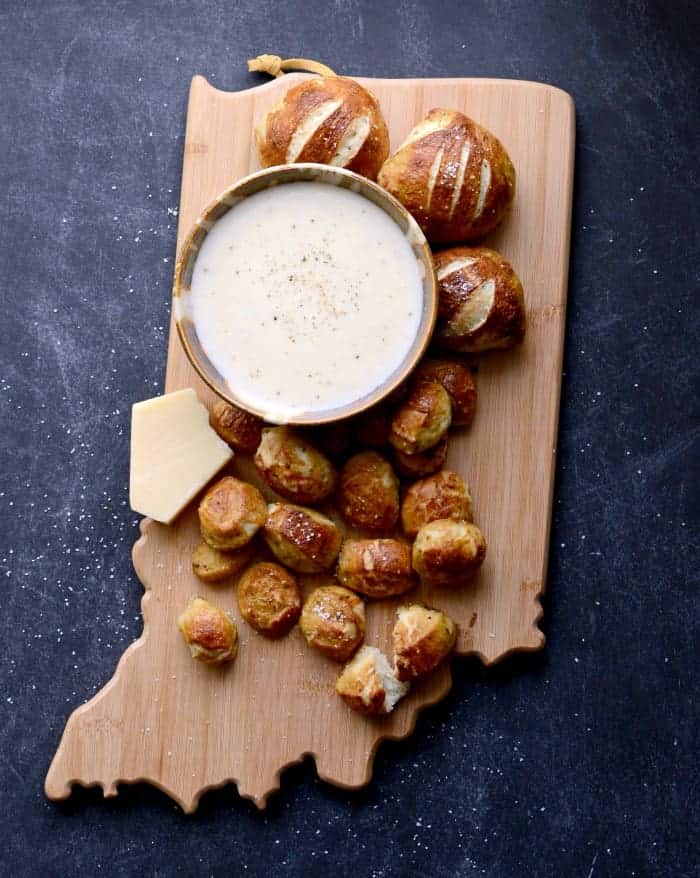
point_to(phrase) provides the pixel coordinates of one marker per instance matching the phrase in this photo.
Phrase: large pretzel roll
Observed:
(480, 303)
(329, 119)
(454, 176)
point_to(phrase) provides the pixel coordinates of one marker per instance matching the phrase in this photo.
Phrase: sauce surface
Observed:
(305, 297)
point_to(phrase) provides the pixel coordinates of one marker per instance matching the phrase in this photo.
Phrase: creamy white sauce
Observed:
(305, 297)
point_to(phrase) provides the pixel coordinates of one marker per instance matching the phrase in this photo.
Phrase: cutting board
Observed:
(185, 728)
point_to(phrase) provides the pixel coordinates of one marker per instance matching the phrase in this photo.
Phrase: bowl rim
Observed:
(304, 172)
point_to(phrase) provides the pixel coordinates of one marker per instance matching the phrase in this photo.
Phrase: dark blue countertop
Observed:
(578, 761)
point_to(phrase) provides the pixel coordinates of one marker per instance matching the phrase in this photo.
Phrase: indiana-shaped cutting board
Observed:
(185, 728)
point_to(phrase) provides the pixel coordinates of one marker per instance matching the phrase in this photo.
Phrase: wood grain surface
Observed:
(186, 728)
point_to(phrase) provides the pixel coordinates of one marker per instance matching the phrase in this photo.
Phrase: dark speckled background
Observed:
(579, 761)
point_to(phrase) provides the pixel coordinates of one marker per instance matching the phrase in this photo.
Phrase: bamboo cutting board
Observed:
(185, 728)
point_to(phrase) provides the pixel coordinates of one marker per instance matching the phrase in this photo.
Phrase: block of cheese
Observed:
(174, 453)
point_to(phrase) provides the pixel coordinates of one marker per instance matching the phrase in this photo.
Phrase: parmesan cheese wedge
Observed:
(174, 453)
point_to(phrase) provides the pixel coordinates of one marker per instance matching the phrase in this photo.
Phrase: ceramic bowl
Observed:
(277, 176)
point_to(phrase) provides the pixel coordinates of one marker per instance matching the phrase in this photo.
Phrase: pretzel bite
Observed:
(230, 513)
(368, 492)
(448, 552)
(238, 428)
(209, 632)
(300, 538)
(372, 427)
(293, 467)
(331, 120)
(423, 463)
(213, 565)
(269, 599)
(480, 301)
(423, 419)
(453, 175)
(376, 568)
(333, 621)
(368, 684)
(458, 381)
(423, 638)
(443, 495)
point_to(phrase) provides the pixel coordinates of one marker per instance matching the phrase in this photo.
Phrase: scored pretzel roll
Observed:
(443, 495)
(423, 638)
(302, 539)
(448, 552)
(454, 176)
(231, 513)
(480, 301)
(269, 599)
(332, 120)
(293, 467)
(423, 419)
(458, 381)
(368, 492)
(210, 634)
(333, 621)
(376, 568)
(239, 428)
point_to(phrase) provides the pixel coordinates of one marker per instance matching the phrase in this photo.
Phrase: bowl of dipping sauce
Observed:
(305, 294)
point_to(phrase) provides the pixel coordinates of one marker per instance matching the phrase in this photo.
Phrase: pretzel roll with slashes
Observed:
(480, 301)
(332, 120)
(453, 175)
